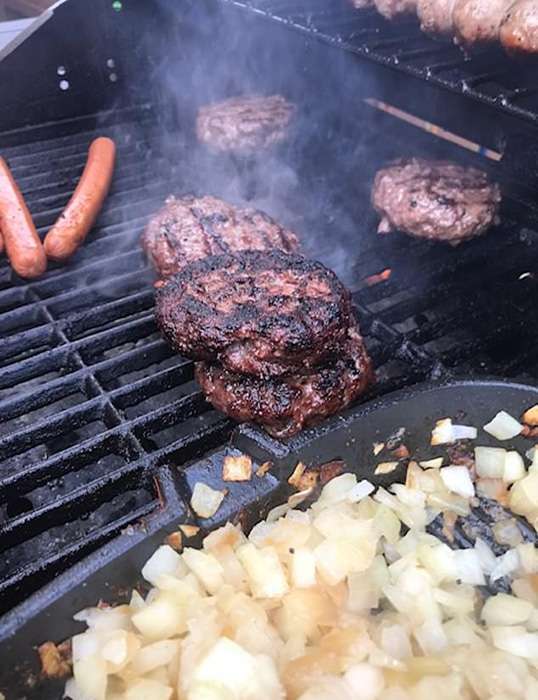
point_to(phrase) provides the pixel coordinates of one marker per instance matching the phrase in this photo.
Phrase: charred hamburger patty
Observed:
(245, 124)
(189, 228)
(286, 405)
(435, 199)
(255, 313)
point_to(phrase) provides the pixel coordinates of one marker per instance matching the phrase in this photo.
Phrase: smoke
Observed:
(310, 183)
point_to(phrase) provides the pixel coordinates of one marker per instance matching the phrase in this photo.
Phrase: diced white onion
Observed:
(487, 559)
(205, 501)
(506, 564)
(361, 490)
(514, 467)
(458, 480)
(446, 432)
(165, 560)
(489, 462)
(336, 601)
(469, 567)
(502, 609)
(503, 426)
(434, 463)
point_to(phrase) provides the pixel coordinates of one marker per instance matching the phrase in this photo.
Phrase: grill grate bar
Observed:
(402, 44)
(22, 582)
(63, 508)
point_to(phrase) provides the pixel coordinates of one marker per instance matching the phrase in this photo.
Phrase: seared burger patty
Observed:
(255, 313)
(477, 22)
(519, 28)
(392, 8)
(436, 17)
(284, 406)
(245, 124)
(435, 199)
(189, 228)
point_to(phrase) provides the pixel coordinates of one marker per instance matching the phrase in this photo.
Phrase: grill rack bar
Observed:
(388, 43)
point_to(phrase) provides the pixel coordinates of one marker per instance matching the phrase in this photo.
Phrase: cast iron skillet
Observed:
(47, 615)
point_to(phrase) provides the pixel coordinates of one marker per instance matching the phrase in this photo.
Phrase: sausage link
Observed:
(23, 246)
(71, 229)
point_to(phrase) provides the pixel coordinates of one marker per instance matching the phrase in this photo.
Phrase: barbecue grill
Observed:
(101, 423)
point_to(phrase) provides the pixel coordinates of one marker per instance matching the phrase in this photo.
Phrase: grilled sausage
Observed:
(71, 229)
(1, 243)
(477, 22)
(23, 245)
(519, 28)
(390, 9)
(436, 17)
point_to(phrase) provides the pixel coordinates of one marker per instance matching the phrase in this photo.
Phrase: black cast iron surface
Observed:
(111, 573)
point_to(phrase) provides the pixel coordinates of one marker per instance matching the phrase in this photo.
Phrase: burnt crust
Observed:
(189, 228)
(286, 405)
(260, 313)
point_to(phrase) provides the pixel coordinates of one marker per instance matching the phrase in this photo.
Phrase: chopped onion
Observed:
(266, 575)
(515, 640)
(528, 557)
(206, 567)
(506, 565)
(365, 681)
(164, 561)
(386, 467)
(337, 489)
(458, 480)
(237, 468)
(359, 491)
(148, 689)
(503, 426)
(514, 467)
(489, 461)
(434, 463)
(486, 558)
(446, 432)
(205, 501)
(336, 601)
(303, 568)
(378, 447)
(502, 609)
(469, 567)
(507, 532)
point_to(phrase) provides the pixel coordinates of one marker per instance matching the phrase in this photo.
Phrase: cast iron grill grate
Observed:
(488, 77)
(95, 409)
(98, 417)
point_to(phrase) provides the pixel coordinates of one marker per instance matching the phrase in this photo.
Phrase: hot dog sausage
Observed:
(23, 245)
(71, 229)
(1, 243)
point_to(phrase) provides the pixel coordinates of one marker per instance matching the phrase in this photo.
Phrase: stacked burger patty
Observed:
(274, 336)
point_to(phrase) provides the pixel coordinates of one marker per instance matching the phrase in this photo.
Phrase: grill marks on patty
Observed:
(285, 405)
(190, 228)
(256, 313)
(435, 199)
(245, 124)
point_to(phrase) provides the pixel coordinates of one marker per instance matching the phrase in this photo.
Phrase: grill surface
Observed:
(489, 76)
(98, 417)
